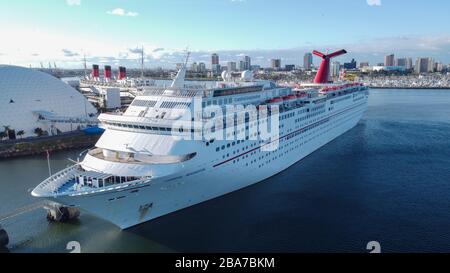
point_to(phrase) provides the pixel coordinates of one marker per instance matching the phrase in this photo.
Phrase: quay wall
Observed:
(36, 146)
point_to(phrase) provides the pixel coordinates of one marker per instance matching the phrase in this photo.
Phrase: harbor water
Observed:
(387, 180)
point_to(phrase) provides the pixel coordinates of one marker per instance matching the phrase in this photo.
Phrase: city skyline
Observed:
(112, 32)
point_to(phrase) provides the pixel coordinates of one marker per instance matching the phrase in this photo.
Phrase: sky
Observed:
(110, 31)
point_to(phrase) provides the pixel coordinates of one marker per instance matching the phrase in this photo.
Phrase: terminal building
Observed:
(34, 103)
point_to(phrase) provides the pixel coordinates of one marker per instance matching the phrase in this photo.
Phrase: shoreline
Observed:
(41, 146)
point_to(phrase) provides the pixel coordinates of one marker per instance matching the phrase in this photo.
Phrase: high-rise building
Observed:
(431, 65)
(216, 69)
(215, 59)
(276, 64)
(248, 63)
(307, 61)
(194, 67)
(231, 66)
(350, 65)
(201, 67)
(242, 66)
(409, 63)
(389, 60)
(423, 65)
(439, 67)
(401, 62)
(335, 69)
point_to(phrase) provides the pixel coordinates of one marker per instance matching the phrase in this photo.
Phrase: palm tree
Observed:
(39, 132)
(5, 133)
(2, 135)
(7, 128)
(21, 133)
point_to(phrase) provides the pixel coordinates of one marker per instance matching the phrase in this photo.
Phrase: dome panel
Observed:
(25, 91)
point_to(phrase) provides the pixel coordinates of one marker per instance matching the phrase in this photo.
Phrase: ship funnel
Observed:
(122, 73)
(95, 71)
(108, 73)
(323, 75)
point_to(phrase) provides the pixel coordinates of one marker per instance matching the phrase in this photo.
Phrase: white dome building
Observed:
(32, 99)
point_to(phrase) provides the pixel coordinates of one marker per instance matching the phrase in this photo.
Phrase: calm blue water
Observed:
(387, 180)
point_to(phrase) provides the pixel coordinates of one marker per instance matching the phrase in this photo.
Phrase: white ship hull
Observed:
(132, 206)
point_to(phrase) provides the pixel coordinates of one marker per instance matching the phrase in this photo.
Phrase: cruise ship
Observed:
(191, 142)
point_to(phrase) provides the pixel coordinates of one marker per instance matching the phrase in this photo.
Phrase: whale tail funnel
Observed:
(323, 75)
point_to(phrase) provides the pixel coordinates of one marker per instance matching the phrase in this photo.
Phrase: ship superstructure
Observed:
(179, 146)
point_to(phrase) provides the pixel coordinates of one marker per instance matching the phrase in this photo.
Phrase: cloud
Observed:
(374, 2)
(69, 53)
(73, 2)
(136, 50)
(158, 49)
(122, 12)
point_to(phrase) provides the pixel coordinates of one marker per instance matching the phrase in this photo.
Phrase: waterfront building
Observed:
(350, 65)
(409, 63)
(363, 65)
(201, 67)
(423, 65)
(194, 67)
(401, 62)
(389, 60)
(307, 61)
(214, 59)
(242, 66)
(289, 67)
(35, 104)
(276, 64)
(231, 67)
(216, 69)
(247, 63)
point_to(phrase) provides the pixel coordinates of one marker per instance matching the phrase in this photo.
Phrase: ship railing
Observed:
(57, 180)
(144, 157)
(177, 92)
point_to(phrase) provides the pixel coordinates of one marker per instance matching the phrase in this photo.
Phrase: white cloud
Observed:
(69, 53)
(73, 2)
(122, 12)
(374, 2)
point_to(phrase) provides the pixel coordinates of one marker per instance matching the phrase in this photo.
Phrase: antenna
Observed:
(85, 67)
(178, 82)
(142, 64)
